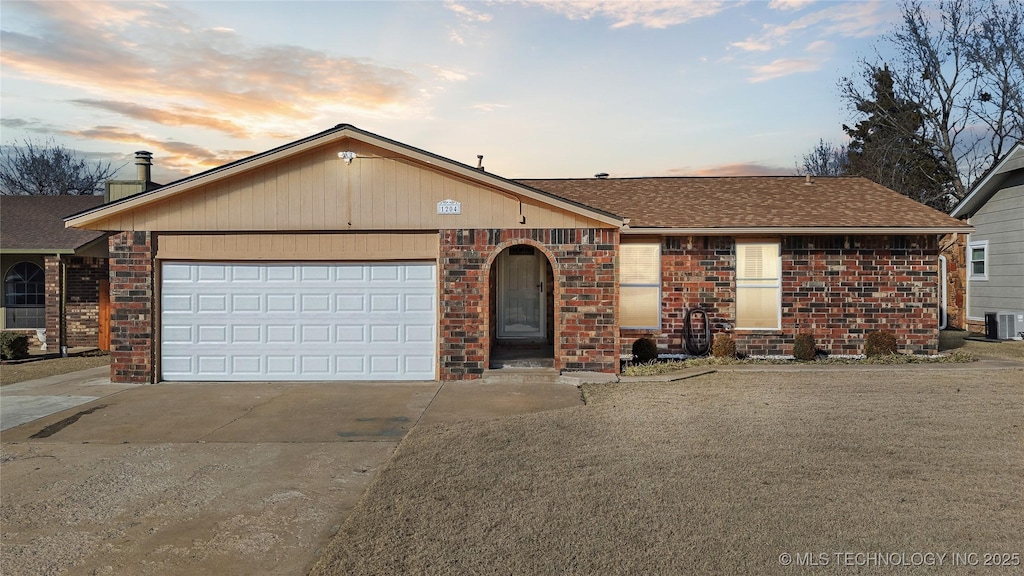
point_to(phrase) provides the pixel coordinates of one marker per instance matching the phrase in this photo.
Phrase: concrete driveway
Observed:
(220, 478)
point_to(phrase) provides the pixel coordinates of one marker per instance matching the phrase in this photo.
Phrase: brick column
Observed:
(131, 307)
(51, 274)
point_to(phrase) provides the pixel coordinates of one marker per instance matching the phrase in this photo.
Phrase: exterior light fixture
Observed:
(347, 156)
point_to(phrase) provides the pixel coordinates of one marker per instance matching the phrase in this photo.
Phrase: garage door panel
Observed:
(281, 273)
(281, 365)
(214, 365)
(215, 334)
(385, 303)
(211, 273)
(315, 302)
(316, 334)
(298, 322)
(212, 303)
(351, 334)
(244, 273)
(246, 366)
(246, 334)
(246, 303)
(351, 302)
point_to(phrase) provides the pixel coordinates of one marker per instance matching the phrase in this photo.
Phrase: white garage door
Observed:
(259, 322)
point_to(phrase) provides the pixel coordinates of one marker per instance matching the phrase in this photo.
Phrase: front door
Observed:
(521, 293)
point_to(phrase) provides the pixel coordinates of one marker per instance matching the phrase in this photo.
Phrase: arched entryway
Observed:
(522, 318)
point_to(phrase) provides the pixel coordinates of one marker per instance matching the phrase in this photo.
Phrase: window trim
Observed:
(971, 247)
(657, 285)
(775, 284)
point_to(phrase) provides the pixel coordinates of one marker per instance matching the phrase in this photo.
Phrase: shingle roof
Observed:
(37, 222)
(749, 202)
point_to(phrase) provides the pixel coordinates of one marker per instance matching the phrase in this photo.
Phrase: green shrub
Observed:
(880, 343)
(13, 346)
(803, 347)
(724, 346)
(645, 350)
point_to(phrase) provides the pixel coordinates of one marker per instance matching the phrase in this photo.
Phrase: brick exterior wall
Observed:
(51, 273)
(82, 306)
(837, 288)
(131, 307)
(585, 296)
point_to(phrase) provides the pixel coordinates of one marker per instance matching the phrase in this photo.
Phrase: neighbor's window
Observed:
(25, 296)
(758, 285)
(640, 285)
(978, 255)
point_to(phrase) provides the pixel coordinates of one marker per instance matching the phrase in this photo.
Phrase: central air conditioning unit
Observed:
(1007, 326)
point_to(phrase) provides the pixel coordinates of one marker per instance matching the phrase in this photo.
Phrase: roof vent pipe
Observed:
(480, 162)
(807, 179)
(601, 175)
(144, 163)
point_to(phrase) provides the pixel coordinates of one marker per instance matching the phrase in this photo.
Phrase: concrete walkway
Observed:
(33, 399)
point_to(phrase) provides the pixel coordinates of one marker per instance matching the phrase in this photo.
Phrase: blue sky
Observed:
(541, 89)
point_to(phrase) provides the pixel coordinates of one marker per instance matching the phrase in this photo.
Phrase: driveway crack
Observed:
(239, 417)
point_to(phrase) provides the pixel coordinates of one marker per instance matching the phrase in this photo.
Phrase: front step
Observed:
(515, 363)
(518, 375)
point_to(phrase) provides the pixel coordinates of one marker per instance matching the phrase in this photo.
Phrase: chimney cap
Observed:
(143, 154)
(601, 175)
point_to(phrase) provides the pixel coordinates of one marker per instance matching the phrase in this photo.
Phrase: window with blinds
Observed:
(640, 285)
(758, 285)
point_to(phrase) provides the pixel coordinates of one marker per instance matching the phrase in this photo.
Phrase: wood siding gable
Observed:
(316, 190)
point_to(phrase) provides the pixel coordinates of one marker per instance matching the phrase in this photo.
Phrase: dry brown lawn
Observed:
(720, 474)
(13, 373)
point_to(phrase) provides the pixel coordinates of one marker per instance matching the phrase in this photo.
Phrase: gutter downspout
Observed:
(943, 302)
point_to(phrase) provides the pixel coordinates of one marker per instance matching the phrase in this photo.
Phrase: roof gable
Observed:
(989, 184)
(36, 223)
(310, 185)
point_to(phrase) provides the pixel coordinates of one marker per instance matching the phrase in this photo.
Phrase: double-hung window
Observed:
(977, 254)
(640, 285)
(758, 285)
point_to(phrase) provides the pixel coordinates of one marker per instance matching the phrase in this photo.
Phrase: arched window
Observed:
(25, 296)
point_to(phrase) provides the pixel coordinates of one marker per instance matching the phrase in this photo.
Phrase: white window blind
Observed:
(758, 285)
(640, 285)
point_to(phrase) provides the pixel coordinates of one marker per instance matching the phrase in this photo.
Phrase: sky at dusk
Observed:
(542, 89)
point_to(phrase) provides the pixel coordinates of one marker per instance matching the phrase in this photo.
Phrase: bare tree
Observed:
(825, 159)
(49, 169)
(959, 62)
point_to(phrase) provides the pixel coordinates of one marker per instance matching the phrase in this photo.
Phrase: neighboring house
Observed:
(54, 278)
(995, 250)
(346, 255)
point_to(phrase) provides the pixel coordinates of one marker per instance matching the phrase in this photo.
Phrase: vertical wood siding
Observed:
(316, 191)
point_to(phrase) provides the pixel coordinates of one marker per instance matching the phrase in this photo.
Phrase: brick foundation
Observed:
(131, 307)
(585, 296)
(836, 288)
